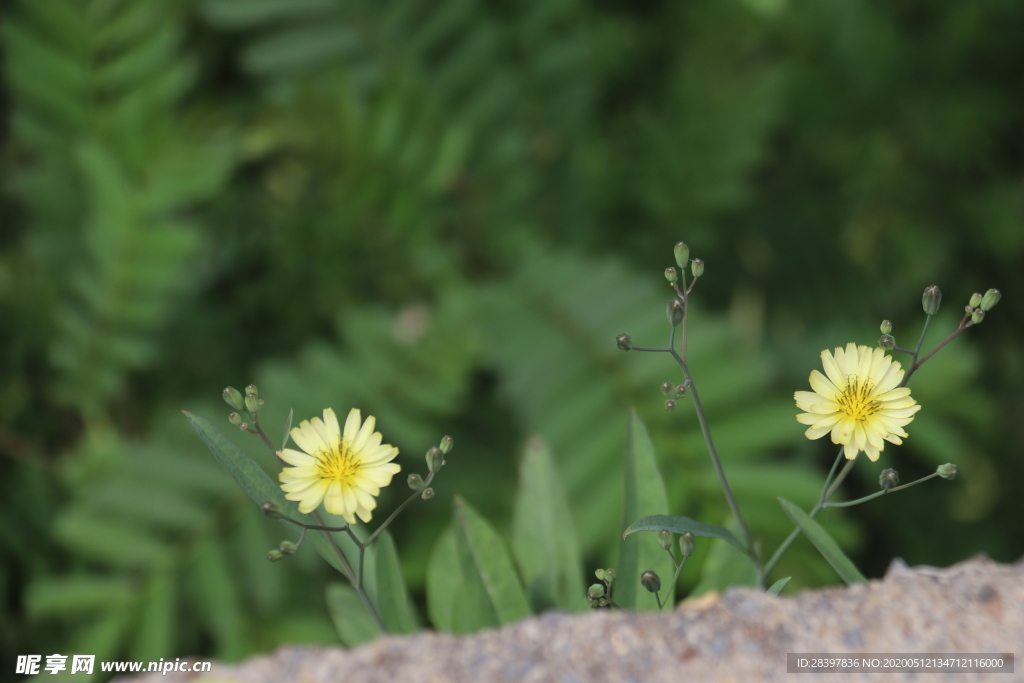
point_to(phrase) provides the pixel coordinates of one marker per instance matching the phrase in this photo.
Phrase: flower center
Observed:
(338, 464)
(857, 400)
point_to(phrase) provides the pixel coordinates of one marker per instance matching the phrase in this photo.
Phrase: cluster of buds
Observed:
(672, 393)
(600, 594)
(981, 304)
(250, 403)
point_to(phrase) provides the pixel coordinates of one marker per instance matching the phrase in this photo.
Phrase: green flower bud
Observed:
(885, 327)
(665, 539)
(931, 299)
(252, 403)
(887, 342)
(650, 581)
(415, 482)
(948, 471)
(596, 591)
(599, 573)
(687, 543)
(235, 419)
(667, 388)
(975, 300)
(435, 459)
(251, 389)
(697, 268)
(682, 254)
(272, 510)
(674, 311)
(446, 445)
(888, 479)
(670, 275)
(977, 316)
(244, 427)
(274, 555)
(287, 548)
(990, 299)
(427, 494)
(681, 390)
(670, 405)
(233, 397)
(609, 575)
(624, 342)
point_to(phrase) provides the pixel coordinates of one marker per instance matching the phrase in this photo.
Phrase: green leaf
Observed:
(444, 580)
(777, 587)
(490, 581)
(353, 623)
(255, 482)
(217, 595)
(678, 525)
(645, 496)
(825, 544)
(155, 632)
(393, 600)
(543, 534)
(77, 596)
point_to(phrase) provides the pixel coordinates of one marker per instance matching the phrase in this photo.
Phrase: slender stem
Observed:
(414, 496)
(658, 598)
(878, 494)
(338, 555)
(702, 418)
(956, 333)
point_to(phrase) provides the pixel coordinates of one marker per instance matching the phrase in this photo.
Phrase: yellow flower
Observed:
(858, 400)
(343, 470)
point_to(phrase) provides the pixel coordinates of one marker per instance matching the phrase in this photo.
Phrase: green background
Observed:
(443, 213)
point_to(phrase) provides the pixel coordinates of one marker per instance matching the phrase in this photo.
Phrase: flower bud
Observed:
(609, 575)
(287, 548)
(650, 581)
(990, 299)
(697, 268)
(975, 300)
(244, 427)
(624, 342)
(427, 494)
(446, 445)
(665, 539)
(235, 419)
(667, 388)
(977, 316)
(931, 299)
(596, 591)
(251, 389)
(888, 479)
(948, 471)
(599, 573)
(435, 459)
(674, 311)
(272, 510)
(670, 405)
(687, 543)
(670, 275)
(682, 254)
(233, 397)
(252, 403)
(885, 327)
(887, 342)
(415, 482)
(274, 555)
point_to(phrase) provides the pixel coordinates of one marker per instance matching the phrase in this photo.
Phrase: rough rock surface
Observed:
(974, 607)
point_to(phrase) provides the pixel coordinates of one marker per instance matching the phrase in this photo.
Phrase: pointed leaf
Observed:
(825, 544)
(487, 567)
(645, 496)
(777, 587)
(444, 580)
(543, 534)
(678, 525)
(395, 608)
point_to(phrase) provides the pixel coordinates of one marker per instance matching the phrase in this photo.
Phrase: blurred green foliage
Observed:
(443, 213)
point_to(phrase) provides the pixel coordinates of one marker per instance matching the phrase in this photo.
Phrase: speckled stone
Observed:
(974, 607)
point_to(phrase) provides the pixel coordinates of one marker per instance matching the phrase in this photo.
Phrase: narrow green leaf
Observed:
(155, 633)
(77, 595)
(444, 580)
(487, 568)
(543, 534)
(351, 620)
(825, 544)
(255, 482)
(392, 597)
(644, 496)
(287, 428)
(678, 525)
(777, 587)
(215, 594)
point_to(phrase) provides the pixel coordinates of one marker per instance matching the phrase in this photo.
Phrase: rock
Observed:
(972, 608)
